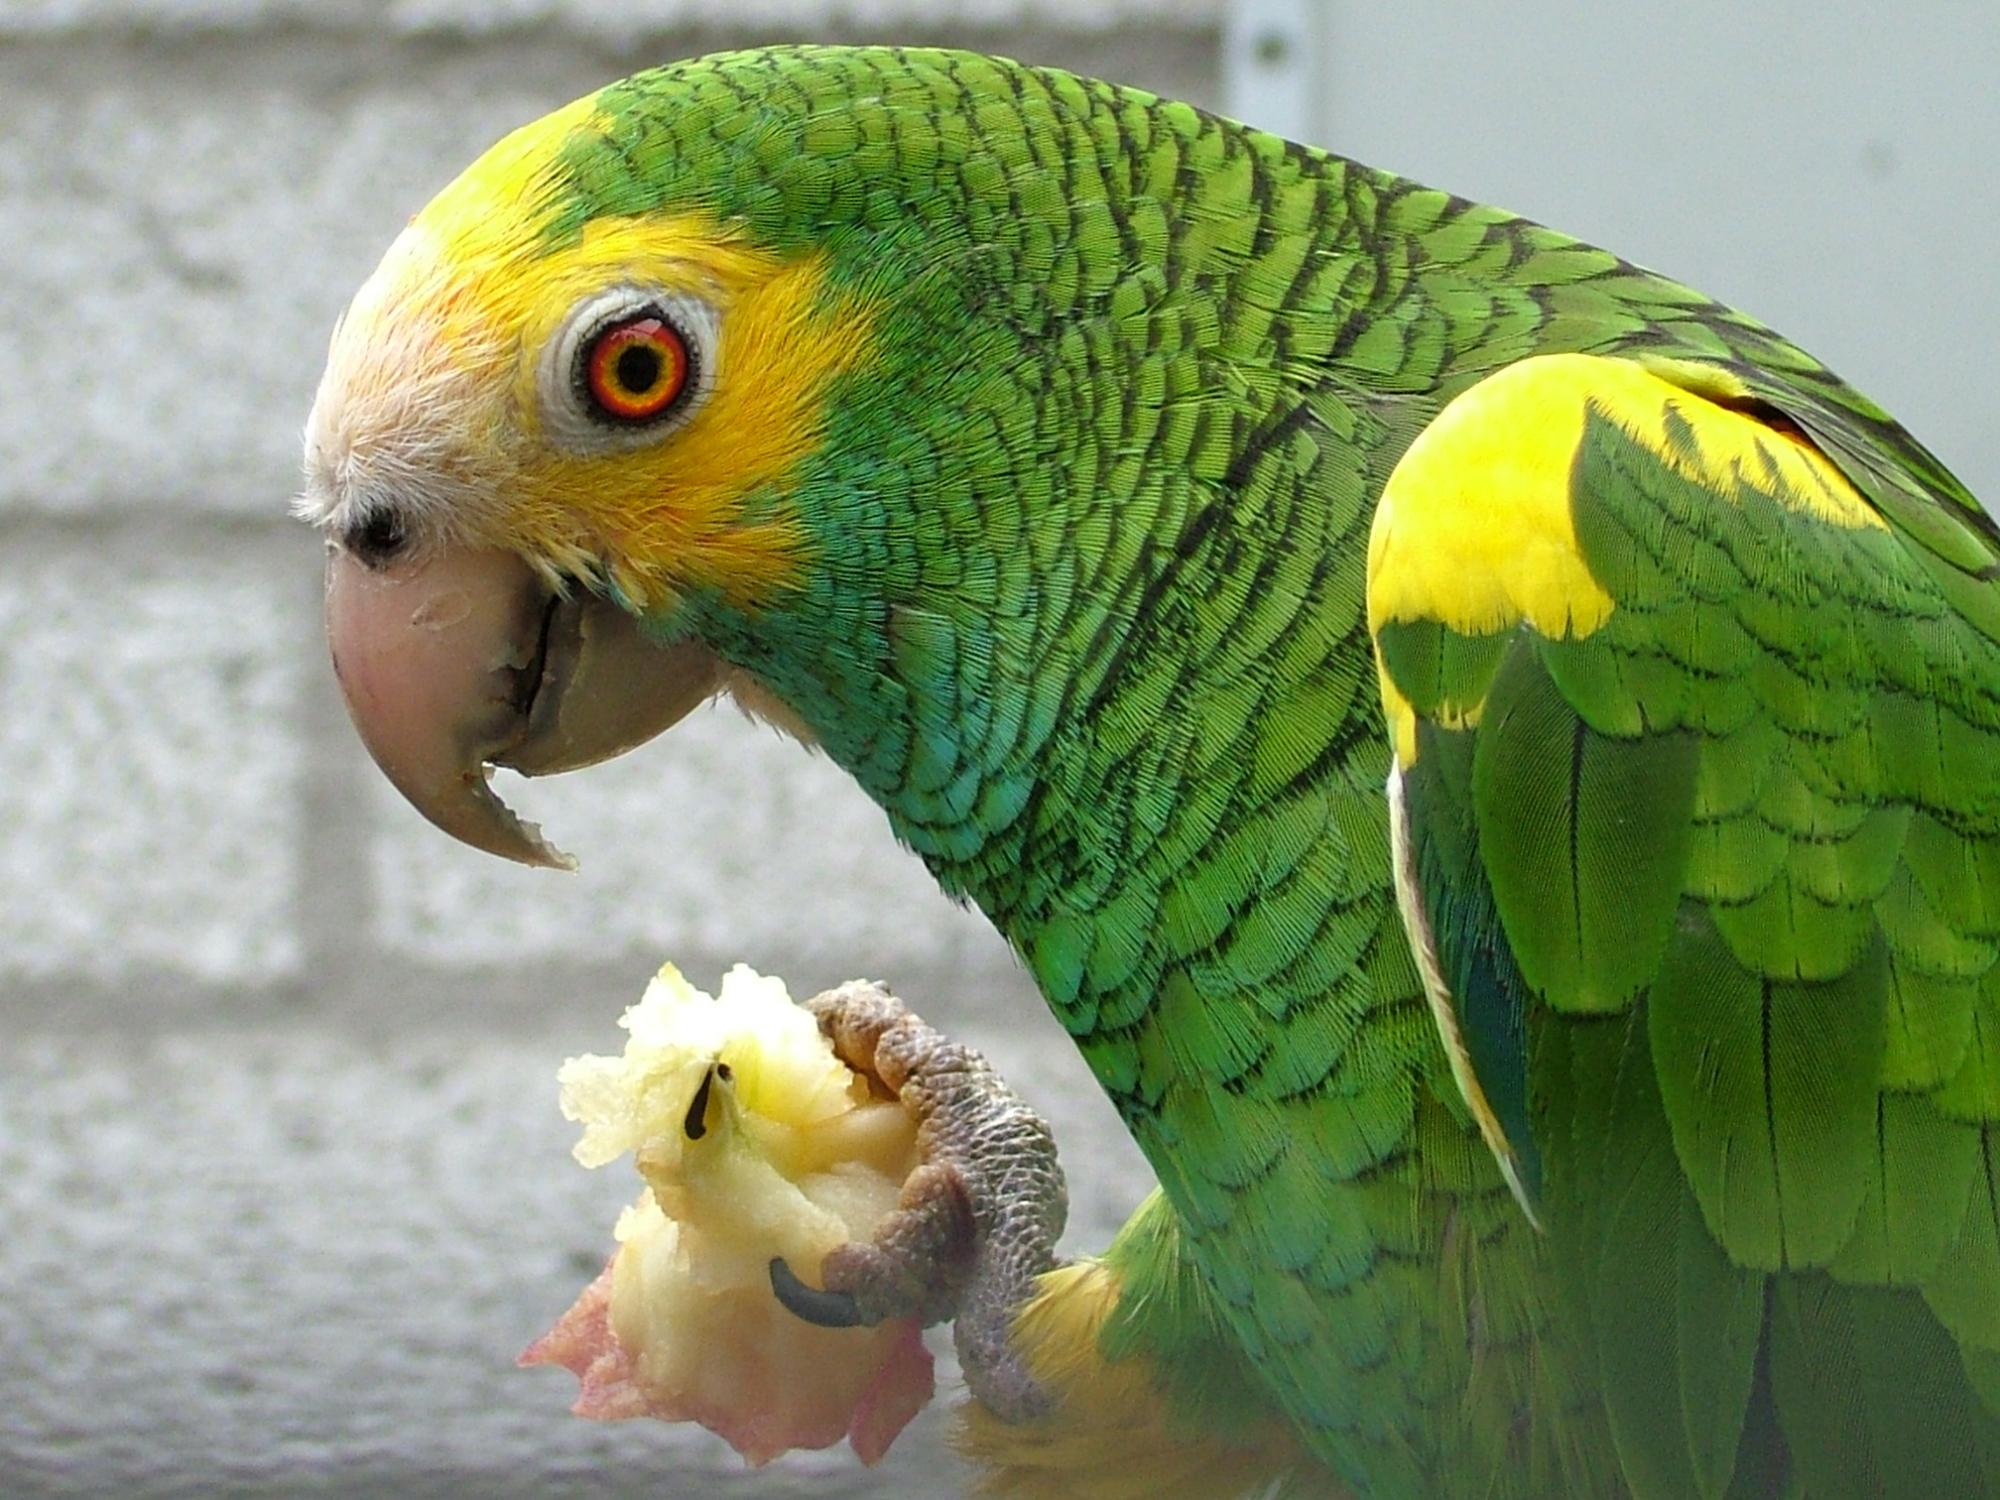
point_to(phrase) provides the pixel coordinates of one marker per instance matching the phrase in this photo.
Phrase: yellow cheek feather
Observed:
(1475, 529)
(671, 515)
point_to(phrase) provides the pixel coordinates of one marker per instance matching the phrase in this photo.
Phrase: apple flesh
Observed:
(754, 1141)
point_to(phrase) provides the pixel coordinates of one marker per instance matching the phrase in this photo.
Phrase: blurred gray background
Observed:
(283, 1186)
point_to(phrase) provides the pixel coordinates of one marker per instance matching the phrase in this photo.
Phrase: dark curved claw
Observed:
(826, 1309)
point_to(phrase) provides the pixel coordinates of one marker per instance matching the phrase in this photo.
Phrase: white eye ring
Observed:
(568, 415)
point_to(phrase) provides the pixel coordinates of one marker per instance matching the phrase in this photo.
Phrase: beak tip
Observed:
(549, 857)
(478, 816)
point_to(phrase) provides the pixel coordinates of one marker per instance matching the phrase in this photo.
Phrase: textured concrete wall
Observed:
(283, 1187)
(282, 1183)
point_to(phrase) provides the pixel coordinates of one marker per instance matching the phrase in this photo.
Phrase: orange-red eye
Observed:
(637, 369)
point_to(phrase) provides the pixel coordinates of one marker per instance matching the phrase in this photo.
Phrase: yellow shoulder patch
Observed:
(1476, 528)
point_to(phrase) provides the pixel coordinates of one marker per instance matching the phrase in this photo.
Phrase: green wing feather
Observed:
(1740, 843)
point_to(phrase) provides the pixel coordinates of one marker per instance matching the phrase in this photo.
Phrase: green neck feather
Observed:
(1080, 480)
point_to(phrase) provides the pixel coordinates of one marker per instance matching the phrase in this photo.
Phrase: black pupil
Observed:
(639, 368)
(382, 535)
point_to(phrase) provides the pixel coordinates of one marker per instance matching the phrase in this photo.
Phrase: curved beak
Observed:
(461, 660)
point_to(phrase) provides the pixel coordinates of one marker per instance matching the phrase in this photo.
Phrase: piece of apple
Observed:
(754, 1142)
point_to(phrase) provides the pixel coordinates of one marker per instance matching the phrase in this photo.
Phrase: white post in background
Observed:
(1273, 70)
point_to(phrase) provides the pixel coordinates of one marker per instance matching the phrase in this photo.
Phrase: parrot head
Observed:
(581, 393)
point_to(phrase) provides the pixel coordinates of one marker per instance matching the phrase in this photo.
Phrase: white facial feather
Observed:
(405, 414)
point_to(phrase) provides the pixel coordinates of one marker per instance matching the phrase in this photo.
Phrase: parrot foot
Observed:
(978, 1219)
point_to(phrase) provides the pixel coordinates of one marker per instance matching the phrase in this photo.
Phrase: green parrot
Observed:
(1492, 756)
